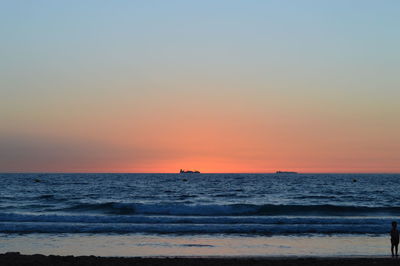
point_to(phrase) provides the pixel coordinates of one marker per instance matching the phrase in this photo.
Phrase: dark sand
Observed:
(17, 259)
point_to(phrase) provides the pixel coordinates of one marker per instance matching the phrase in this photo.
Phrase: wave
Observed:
(229, 210)
(248, 219)
(248, 229)
(138, 219)
(248, 225)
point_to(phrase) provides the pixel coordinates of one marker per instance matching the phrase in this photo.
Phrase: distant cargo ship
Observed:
(189, 172)
(285, 172)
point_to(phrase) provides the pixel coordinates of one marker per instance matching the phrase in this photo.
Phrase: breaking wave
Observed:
(165, 228)
(230, 210)
(203, 219)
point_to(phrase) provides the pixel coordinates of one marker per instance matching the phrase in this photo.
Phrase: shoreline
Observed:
(15, 258)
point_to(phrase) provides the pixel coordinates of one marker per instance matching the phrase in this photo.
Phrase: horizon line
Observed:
(61, 172)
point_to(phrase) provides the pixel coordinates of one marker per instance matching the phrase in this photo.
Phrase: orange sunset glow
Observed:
(156, 92)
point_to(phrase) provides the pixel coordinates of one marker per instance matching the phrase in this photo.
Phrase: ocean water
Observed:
(198, 214)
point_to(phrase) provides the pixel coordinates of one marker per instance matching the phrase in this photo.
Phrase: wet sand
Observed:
(18, 259)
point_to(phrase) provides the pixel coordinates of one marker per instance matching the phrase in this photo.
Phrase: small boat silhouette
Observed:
(285, 172)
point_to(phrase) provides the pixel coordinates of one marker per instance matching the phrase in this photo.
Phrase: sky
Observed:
(216, 86)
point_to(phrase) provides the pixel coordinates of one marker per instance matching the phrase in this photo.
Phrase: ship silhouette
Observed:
(189, 172)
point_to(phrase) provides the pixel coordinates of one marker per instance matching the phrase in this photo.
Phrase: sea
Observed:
(198, 214)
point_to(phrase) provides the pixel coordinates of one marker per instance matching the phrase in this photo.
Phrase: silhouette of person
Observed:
(394, 238)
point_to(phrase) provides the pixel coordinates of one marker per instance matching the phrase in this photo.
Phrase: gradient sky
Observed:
(218, 86)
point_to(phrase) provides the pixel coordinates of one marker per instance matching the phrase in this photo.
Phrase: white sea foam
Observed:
(251, 229)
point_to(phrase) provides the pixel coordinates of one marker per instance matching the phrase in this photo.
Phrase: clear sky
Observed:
(218, 86)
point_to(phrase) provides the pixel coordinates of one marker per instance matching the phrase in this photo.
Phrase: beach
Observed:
(9, 259)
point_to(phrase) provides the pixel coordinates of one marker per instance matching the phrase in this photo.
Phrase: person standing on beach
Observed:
(394, 238)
